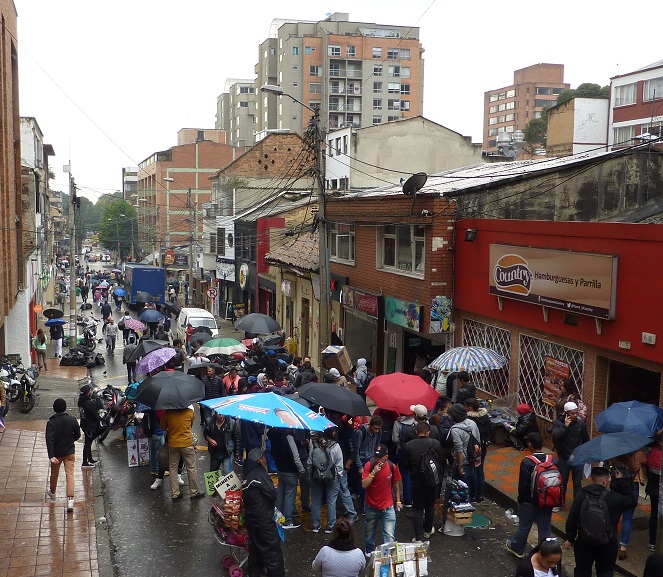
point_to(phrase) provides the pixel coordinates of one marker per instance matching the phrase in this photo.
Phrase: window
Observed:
(625, 94)
(510, 94)
(377, 120)
(272, 51)
(315, 70)
(492, 120)
(405, 105)
(338, 146)
(492, 143)
(405, 72)
(542, 103)
(537, 114)
(377, 104)
(377, 52)
(377, 70)
(245, 246)
(334, 50)
(405, 54)
(315, 87)
(509, 117)
(242, 105)
(334, 69)
(220, 241)
(350, 50)
(392, 53)
(393, 87)
(377, 87)
(623, 136)
(335, 87)
(212, 243)
(295, 50)
(341, 242)
(405, 89)
(345, 145)
(392, 118)
(402, 248)
(653, 89)
(394, 71)
(393, 104)
(308, 50)
(330, 148)
(315, 104)
(502, 95)
(543, 90)
(246, 90)
(492, 132)
(654, 130)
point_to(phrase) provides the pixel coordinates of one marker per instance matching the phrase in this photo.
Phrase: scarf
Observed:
(341, 545)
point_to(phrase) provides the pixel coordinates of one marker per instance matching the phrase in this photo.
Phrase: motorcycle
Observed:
(119, 411)
(27, 389)
(12, 384)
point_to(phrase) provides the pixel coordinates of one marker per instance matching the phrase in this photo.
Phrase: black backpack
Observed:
(430, 471)
(473, 449)
(594, 523)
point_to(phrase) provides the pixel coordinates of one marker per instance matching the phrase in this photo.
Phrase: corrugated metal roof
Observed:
(301, 253)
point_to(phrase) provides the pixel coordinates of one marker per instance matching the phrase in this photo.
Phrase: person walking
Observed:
(111, 336)
(631, 467)
(425, 490)
(591, 527)
(368, 438)
(129, 349)
(569, 432)
(106, 312)
(345, 437)
(62, 432)
(486, 428)
(381, 480)
(177, 423)
(39, 343)
(324, 463)
(91, 423)
(288, 468)
(214, 389)
(122, 325)
(57, 334)
(463, 432)
(259, 499)
(222, 436)
(340, 558)
(361, 377)
(529, 511)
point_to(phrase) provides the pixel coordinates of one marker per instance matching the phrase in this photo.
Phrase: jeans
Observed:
(423, 507)
(110, 343)
(68, 462)
(528, 514)
(576, 473)
(469, 477)
(317, 490)
(653, 519)
(221, 462)
(131, 372)
(388, 518)
(480, 475)
(627, 519)
(286, 494)
(155, 442)
(346, 499)
(87, 446)
(305, 488)
(407, 481)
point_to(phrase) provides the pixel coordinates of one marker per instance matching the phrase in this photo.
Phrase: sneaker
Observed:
(315, 529)
(292, 525)
(651, 547)
(514, 553)
(367, 554)
(93, 462)
(198, 495)
(50, 495)
(166, 473)
(407, 505)
(180, 481)
(329, 530)
(70, 505)
(556, 509)
(87, 466)
(156, 484)
(428, 535)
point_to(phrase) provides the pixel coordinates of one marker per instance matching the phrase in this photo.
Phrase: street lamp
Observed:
(191, 222)
(324, 332)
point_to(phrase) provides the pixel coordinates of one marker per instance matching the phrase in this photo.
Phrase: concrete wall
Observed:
(579, 125)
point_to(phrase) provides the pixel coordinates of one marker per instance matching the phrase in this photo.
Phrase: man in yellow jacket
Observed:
(178, 424)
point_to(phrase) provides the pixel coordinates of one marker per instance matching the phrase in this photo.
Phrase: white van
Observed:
(197, 318)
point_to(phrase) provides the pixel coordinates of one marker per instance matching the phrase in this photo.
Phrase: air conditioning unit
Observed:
(207, 205)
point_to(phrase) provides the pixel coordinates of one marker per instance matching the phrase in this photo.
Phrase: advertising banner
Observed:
(402, 313)
(575, 282)
(440, 315)
(555, 371)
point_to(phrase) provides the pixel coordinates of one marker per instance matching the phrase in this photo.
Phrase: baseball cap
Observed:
(570, 406)
(381, 451)
(85, 389)
(334, 373)
(256, 454)
(419, 410)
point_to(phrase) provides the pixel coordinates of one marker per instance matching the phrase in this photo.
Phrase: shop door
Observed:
(305, 328)
(629, 383)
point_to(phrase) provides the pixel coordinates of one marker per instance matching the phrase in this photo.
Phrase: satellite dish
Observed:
(415, 183)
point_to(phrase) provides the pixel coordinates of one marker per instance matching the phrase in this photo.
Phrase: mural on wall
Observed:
(440, 314)
(402, 313)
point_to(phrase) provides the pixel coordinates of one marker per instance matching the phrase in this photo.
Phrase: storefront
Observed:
(563, 300)
(266, 296)
(225, 275)
(362, 332)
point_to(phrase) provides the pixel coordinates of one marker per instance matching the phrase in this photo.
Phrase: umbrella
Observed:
(606, 447)
(469, 359)
(150, 316)
(334, 398)
(295, 397)
(397, 391)
(257, 323)
(631, 416)
(61, 282)
(143, 297)
(200, 336)
(118, 292)
(53, 313)
(134, 325)
(102, 284)
(172, 308)
(144, 347)
(223, 346)
(194, 370)
(116, 270)
(170, 390)
(202, 329)
(53, 322)
(269, 409)
(171, 280)
(154, 360)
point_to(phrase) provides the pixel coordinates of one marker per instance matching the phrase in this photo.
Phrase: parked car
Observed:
(92, 257)
(105, 258)
(197, 318)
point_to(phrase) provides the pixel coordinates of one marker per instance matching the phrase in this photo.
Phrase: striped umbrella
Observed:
(134, 325)
(470, 359)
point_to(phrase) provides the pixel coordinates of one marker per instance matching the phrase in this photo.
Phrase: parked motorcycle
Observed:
(8, 374)
(119, 410)
(27, 396)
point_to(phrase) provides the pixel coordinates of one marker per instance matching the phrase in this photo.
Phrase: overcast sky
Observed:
(111, 83)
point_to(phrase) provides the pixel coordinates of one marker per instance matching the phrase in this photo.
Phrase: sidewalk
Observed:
(502, 469)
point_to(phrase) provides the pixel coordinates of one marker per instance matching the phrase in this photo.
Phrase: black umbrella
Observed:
(53, 314)
(295, 397)
(201, 336)
(170, 390)
(257, 323)
(144, 347)
(202, 329)
(334, 398)
(172, 308)
(143, 297)
(194, 370)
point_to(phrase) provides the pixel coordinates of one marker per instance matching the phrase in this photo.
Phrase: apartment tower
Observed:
(235, 112)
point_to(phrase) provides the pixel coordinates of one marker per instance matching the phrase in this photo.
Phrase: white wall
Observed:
(17, 328)
(590, 123)
(338, 166)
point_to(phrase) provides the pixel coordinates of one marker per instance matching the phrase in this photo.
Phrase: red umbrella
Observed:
(397, 391)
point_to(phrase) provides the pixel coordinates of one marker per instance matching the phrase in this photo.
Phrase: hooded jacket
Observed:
(361, 374)
(460, 435)
(483, 423)
(468, 391)
(88, 409)
(568, 438)
(259, 497)
(525, 425)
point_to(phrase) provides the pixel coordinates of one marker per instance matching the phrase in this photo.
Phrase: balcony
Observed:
(336, 73)
(352, 73)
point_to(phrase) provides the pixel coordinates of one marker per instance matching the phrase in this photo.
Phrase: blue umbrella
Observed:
(269, 409)
(120, 292)
(151, 316)
(607, 447)
(631, 416)
(53, 322)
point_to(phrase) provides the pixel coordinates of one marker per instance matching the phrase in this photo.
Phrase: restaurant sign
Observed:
(361, 300)
(574, 282)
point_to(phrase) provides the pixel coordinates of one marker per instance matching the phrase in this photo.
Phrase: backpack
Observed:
(473, 448)
(430, 471)
(404, 434)
(594, 523)
(445, 433)
(367, 380)
(322, 466)
(546, 483)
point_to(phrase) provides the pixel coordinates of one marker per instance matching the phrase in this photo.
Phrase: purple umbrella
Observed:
(154, 360)
(134, 325)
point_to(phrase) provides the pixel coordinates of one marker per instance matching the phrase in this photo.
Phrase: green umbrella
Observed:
(222, 346)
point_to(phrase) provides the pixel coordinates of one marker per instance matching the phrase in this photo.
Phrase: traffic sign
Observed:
(212, 292)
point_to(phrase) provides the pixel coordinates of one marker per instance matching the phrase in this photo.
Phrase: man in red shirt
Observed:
(231, 382)
(381, 480)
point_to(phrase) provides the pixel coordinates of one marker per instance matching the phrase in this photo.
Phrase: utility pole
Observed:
(72, 259)
(189, 205)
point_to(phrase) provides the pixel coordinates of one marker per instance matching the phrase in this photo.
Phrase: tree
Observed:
(584, 90)
(117, 225)
(536, 130)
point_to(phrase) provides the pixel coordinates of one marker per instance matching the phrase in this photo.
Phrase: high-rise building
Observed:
(357, 73)
(510, 108)
(235, 112)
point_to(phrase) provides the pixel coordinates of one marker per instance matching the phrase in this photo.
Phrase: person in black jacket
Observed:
(525, 425)
(568, 433)
(289, 468)
(62, 432)
(259, 498)
(618, 500)
(545, 557)
(486, 428)
(529, 511)
(91, 422)
(466, 389)
(214, 388)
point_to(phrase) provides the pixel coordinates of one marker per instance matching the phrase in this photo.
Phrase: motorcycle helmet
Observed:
(239, 356)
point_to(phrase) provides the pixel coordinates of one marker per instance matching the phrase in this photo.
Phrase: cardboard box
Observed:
(464, 518)
(334, 357)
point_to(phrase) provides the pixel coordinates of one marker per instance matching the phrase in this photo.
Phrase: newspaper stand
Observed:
(400, 560)
(231, 535)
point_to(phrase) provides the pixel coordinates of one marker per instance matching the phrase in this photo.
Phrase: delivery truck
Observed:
(145, 283)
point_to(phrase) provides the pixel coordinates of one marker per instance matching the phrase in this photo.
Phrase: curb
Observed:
(104, 546)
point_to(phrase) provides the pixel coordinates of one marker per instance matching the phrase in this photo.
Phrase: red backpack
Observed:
(546, 483)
